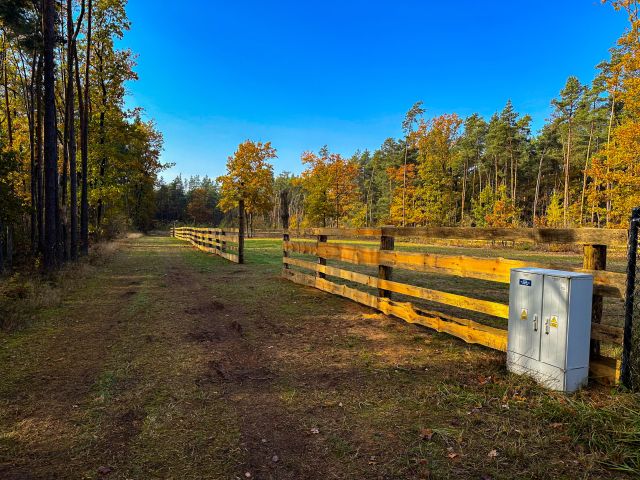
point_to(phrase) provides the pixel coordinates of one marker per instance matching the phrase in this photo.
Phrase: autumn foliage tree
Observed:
(58, 105)
(332, 194)
(616, 170)
(250, 177)
(438, 163)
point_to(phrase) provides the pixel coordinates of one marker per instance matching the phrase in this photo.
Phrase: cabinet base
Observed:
(550, 376)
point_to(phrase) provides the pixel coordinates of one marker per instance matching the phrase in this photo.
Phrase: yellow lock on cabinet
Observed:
(550, 326)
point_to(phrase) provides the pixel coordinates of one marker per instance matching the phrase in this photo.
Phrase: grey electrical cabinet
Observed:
(550, 326)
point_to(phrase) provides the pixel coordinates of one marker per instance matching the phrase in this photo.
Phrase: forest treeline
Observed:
(581, 169)
(75, 163)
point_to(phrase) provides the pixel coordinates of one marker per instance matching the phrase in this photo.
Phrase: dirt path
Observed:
(169, 363)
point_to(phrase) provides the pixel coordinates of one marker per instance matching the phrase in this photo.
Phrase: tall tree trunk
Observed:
(464, 190)
(71, 137)
(40, 157)
(5, 66)
(9, 257)
(404, 180)
(84, 143)
(567, 164)
(50, 135)
(101, 129)
(1, 247)
(537, 195)
(584, 174)
(608, 184)
(7, 105)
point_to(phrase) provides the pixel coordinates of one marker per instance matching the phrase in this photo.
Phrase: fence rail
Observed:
(386, 258)
(579, 236)
(225, 242)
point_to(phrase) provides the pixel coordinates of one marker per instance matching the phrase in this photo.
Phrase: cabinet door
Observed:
(525, 314)
(554, 321)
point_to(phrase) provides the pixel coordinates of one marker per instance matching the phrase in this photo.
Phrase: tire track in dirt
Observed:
(236, 341)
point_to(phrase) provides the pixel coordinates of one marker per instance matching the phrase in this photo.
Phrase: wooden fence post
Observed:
(241, 231)
(284, 216)
(321, 260)
(387, 242)
(595, 258)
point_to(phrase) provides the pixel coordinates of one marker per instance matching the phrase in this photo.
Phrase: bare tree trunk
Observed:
(404, 180)
(584, 174)
(101, 129)
(9, 258)
(5, 66)
(567, 164)
(30, 95)
(71, 138)
(464, 190)
(537, 195)
(84, 143)
(50, 135)
(1, 247)
(40, 156)
(608, 185)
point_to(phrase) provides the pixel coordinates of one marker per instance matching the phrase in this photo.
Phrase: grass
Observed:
(165, 362)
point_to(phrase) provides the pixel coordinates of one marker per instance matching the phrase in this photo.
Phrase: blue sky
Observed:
(302, 74)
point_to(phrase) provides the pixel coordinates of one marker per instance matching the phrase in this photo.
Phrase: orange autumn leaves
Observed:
(332, 196)
(616, 171)
(249, 176)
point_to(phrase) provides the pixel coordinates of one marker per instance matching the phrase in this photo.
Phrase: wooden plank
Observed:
(615, 237)
(496, 269)
(601, 236)
(604, 370)
(229, 256)
(468, 330)
(482, 306)
(335, 232)
(607, 333)
(306, 248)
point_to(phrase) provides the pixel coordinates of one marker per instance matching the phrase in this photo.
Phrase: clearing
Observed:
(165, 362)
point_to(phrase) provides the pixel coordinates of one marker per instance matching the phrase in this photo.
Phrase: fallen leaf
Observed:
(556, 425)
(492, 454)
(426, 434)
(452, 454)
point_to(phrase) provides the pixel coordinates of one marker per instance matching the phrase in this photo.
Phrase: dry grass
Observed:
(23, 295)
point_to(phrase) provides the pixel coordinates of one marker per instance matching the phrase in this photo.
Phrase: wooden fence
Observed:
(603, 368)
(225, 242)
